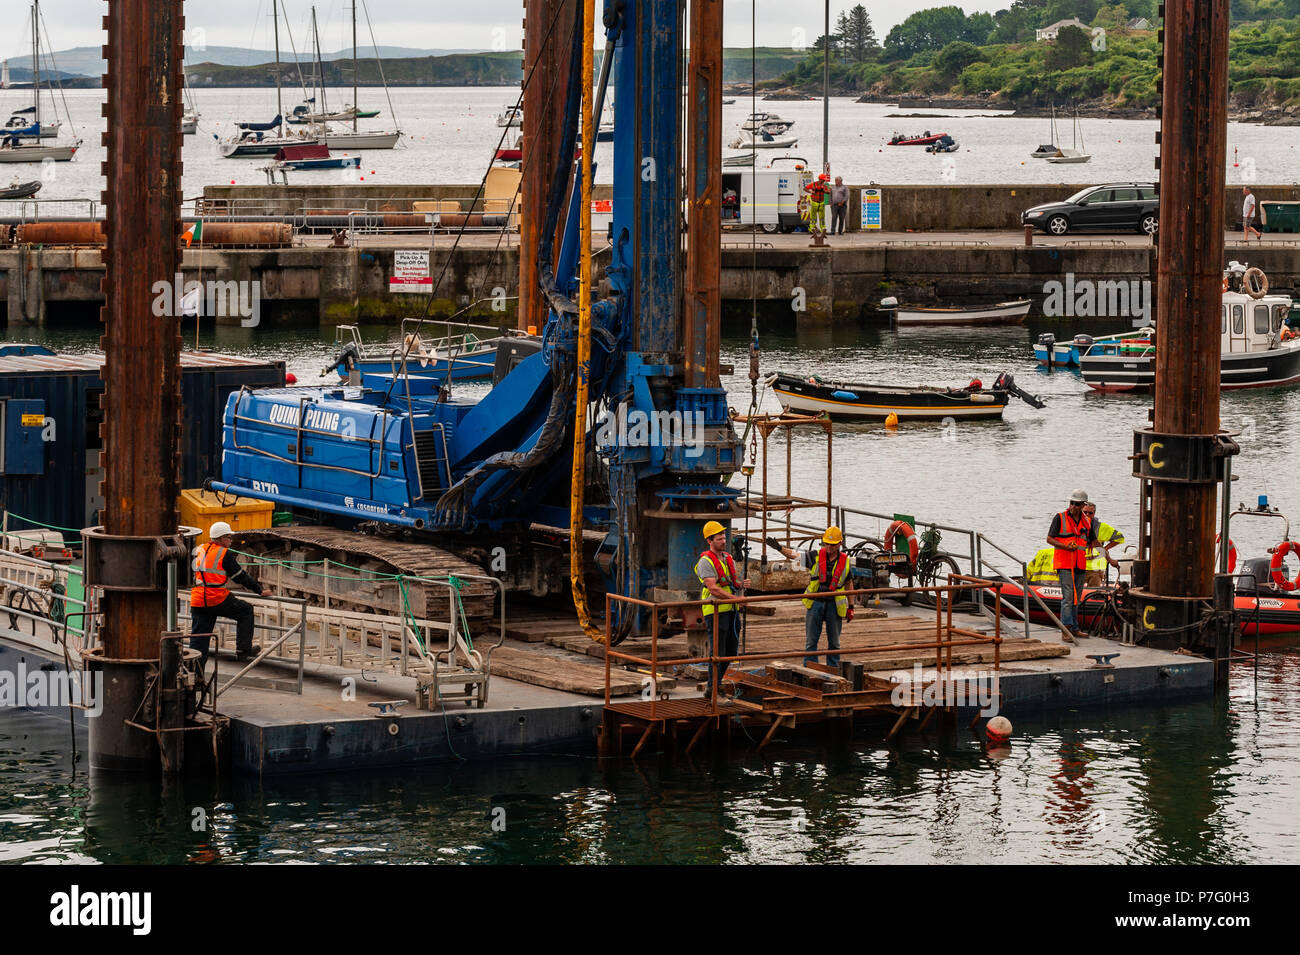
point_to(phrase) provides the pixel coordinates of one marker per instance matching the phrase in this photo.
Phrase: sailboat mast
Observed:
(323, 108)
(356, 103)
(36, 60)
(279, 99)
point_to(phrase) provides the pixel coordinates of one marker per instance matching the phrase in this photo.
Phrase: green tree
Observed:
(1070, 49)
(954, 58)
(979, 26)
(1056, 10)
(859, 35)
(1017, 23)
(924, 30)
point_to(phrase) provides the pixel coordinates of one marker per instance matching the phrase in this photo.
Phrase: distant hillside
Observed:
(86, 61)
(458, 69)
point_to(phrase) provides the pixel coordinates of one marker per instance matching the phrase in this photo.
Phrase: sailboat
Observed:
(190, 113)
(252, 139)
(12, 147)
(1049, 148)
(356, 139)
(1076, 154)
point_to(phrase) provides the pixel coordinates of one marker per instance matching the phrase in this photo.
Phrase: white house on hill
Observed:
(1050, 32)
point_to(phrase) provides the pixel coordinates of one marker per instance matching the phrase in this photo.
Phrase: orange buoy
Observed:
(891, 421)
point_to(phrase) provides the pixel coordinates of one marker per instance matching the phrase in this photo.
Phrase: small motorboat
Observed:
(945, 145)
(1003, 313)
(315, 156)
(20, 190)
(1044, 150)
(925, 139)
(763, 140)
(1257, 348)
(1066, 354)
(856, 401)
(460, 356)
(511, 116)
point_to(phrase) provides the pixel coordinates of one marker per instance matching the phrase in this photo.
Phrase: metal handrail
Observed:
(939, 645)
(299, 628)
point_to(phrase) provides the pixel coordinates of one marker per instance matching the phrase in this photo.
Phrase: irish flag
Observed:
(195, 231)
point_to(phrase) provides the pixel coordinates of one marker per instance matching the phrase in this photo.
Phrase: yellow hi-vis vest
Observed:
(835, 577)
(726, 574)
(1105, 534)
(1042, 569)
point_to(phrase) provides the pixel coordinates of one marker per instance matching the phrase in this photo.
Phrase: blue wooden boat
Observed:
(467, 355)
(1048, 351)
(315, 156)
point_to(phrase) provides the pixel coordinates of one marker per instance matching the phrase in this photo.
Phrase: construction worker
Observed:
(1108, 538)
(215, 567)
(1042, 569)
(817, 191)
(1070, 535)
(717, 572)
(828, 569)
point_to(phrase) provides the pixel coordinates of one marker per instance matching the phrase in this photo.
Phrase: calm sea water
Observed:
(451, 136)
(1206, 782)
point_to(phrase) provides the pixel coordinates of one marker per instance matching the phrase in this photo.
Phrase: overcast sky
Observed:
(434, 23)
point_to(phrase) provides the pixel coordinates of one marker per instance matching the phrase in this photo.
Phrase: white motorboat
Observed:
(511, 116)
(763, 140)
(1003, 313)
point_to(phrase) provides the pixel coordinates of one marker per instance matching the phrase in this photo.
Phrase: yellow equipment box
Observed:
(202, 509)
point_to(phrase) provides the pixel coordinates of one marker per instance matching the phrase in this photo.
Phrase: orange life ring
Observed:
(1225, 283)
(1276, 566)
(913, 546)
(1232, 552)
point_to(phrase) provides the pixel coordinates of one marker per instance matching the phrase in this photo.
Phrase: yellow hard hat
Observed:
(833, 535)
(712, 528)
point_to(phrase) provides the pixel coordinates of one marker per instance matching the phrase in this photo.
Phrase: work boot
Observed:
(242, 656)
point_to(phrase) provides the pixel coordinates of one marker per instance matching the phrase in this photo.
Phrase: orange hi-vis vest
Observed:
(726, 573)
(817, 190)
(835, 579)
(1078, 532)
(209, 576)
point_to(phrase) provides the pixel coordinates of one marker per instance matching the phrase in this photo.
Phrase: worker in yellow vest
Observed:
(1042, 569)
(1108, 538)
(215, 568)
(828, 570)
(717, 573)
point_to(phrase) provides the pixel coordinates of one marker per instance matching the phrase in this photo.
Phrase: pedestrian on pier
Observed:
(839, 205)
(717, 572)
(1098, 557)
(215, 567)
(1070, 536)
(1248, 208)
(828, 570)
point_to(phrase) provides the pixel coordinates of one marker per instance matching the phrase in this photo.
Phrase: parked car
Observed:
(1113, 207)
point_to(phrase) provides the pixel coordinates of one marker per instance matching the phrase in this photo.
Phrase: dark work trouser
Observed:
(728, 644)
(839, 212)
(203, 619)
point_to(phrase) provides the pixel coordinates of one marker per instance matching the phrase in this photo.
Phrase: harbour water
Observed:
(1211, 782)
(450, 136)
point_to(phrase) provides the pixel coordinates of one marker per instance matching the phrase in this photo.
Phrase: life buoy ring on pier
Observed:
(1232, 552)
(805, 208)
(1278, 569)
(1258, 288)
(1225, 283)
(904, 528)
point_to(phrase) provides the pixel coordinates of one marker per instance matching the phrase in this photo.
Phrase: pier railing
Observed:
(947, 637)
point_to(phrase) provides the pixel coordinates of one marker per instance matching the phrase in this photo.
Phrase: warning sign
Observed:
(411, 271)
(33, 420)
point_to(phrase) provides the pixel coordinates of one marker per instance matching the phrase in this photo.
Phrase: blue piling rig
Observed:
(459, 471)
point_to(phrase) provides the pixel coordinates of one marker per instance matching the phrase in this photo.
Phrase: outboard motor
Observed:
(1253, 576)
(1082, 342)
(1047, 340)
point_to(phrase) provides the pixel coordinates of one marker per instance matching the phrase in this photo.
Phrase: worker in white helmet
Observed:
(215, 568)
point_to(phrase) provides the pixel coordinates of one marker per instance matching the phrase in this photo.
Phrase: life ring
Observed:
(805, 208)
(1263, 283)
(1279, 571)
(1232, 552)
(1225, 283)
(913, 546)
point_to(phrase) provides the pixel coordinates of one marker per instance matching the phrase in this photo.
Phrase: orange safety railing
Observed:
(946, 636)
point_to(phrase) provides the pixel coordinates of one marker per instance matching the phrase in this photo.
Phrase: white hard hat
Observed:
(1079, 497)
(219, 529)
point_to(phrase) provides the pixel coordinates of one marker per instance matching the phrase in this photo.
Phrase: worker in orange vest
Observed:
(817, 192)
(215, 568)
(717, 573)
(1071, 535)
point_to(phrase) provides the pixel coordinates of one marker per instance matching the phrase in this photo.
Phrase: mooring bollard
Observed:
(1029, 237)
